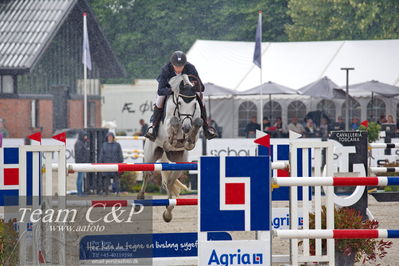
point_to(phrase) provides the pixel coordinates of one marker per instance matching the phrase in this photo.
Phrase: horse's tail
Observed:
(176, 188)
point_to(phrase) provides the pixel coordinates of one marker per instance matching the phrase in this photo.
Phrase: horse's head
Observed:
(184, 114)
(187, 106)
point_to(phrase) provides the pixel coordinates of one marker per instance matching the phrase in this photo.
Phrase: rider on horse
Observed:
(178, 65)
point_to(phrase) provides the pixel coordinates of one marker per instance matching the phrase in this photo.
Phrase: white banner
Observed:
(237, 252)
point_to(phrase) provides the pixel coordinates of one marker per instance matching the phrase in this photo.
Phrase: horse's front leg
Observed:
(192, 135)
(173, 129)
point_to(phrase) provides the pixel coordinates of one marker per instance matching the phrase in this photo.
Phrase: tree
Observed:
(315, 20)
(144, 33)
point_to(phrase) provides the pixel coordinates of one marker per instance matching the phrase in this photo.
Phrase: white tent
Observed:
(295, 64)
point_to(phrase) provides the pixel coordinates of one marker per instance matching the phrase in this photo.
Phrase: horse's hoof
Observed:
(140, 196)
(189, 146)
(167, 216)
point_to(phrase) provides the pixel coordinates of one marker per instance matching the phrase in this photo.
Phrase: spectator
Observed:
(295, 126)
(111, 152)
(324, 128)
(278, 128)
(340, 124)
(382, 120)
(3, 130)
(143, 130)
(355, 123)
(310, 130)
(252, 126)
(390, 120)
(266, 124)
(82, 155)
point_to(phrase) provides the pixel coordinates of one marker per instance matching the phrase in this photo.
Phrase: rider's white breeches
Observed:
(159, 101)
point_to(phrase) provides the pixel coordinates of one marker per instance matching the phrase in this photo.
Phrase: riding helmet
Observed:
(178, 58)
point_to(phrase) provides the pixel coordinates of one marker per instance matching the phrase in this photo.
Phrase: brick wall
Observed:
(75, 114)
(98, 113)
(46, 117)
(17, 115)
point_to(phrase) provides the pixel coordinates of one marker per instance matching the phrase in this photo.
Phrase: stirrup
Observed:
(150, 135)
(210, 133)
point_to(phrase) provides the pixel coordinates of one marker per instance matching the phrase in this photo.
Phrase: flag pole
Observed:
(261, 81)
(257, 60)
(84, 74)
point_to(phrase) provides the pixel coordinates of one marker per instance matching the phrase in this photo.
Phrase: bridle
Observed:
(186, 98)
(177, 105)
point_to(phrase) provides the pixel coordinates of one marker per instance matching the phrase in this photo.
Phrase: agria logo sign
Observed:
(234, 194)
(237, 258)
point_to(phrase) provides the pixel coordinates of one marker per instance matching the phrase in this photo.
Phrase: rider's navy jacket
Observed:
(167, 72)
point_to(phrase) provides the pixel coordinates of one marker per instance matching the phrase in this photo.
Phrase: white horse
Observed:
(177, 134)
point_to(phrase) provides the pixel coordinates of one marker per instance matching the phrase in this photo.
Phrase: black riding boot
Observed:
(209, 132)
(156, 119)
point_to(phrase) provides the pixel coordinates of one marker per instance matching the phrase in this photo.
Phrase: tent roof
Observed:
(215, 90)
(295, 64)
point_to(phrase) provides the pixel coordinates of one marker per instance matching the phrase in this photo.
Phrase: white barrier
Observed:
(307, 149)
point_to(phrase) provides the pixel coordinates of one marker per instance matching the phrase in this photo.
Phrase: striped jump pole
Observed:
(281, 165)
(132, 151)
(336, 234)
(134, 156)
(125, 167)
(128, 203)
(130, 138)
(337, 181)
(383, 145)
(384, 169)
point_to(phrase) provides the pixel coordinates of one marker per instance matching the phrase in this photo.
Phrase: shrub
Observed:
(373, 131)
(366, 250)
(8, 243)
(128, 181)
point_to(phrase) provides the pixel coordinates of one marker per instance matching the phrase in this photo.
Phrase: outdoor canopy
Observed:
(295, 64)
(268, 88)
(215, 90)
(377, 87)
(323, 88)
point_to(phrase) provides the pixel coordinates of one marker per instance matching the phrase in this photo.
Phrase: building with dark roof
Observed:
(41, 70)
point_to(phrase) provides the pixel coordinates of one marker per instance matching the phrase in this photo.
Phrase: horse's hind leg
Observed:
(146, 176)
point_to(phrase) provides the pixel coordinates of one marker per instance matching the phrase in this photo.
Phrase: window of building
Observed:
(6, 84)
(354, 109)
(328, 107)
(35, 114)
(296, 109)
(275, 110)
(91, 119)
(246, 110)
(397, 113)
(375, 108)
